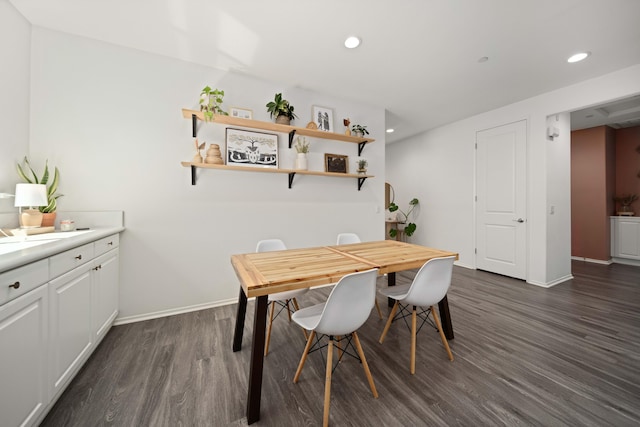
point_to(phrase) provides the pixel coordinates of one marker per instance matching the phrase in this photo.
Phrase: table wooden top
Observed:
(264, 273)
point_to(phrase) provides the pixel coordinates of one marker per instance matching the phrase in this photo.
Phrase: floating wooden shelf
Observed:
(275, 127)
(291, 172)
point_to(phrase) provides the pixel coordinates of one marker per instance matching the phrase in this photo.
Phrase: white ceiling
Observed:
(418, 58)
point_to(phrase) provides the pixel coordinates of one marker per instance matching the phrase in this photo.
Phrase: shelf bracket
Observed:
(291, 135)
(193, 174)
(291, 175)
(360, 182)
(194, 125)
(361, 147)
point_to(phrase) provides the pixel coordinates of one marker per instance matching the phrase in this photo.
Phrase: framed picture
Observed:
(336, 163)
(242, 113)
(251, 149)
(322, 117)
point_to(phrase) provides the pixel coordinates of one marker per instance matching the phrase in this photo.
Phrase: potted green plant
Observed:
(359, 130)
(362, 166)
(625, 204)
(210, 103)
(409, 227)
(31, 177)
(281, 109)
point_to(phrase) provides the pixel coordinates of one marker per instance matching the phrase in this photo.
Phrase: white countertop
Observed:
(18, 251)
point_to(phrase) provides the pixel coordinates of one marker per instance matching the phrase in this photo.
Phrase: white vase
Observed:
(301, 162)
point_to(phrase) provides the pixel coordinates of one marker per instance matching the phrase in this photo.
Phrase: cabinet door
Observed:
(23, 358)
(628, 235)
(69, 325)
(105, 292)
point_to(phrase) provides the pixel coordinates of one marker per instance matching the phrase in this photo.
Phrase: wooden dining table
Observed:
(264, 273)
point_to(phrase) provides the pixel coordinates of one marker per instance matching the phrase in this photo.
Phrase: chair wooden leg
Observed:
(304, 356)
(413, 340)
(378, 308)
(266, 344)
(441, 332)
(327, 384)
(389, 321)
(288, 309)
(365, 365)
(297, 307)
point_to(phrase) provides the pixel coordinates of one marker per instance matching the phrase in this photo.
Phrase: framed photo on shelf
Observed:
(322, 117)
(241, 113)
(251, 149)
(336, 163)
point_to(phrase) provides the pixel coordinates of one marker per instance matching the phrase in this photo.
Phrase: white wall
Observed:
(15, 40)
(438, 167)
(110, 118)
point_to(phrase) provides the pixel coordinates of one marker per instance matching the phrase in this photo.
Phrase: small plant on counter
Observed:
(359, 130)
(301, 145)
(31, 177)
(409, 227)
(281, 109)
(210, 103)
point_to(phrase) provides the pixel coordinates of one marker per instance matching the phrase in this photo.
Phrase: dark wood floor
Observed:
(524, 355)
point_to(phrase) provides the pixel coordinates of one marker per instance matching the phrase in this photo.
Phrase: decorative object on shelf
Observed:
(312, 125)
(409, 227)
(49, 210)
(242, 113)
(346, 123)
(625, 204)
(30, 196)
(322, 117)
(336, 163)
(302, 147)
(281, 109)
(198, 157)
(210, 102)
(359, 130)
(214, 156)
(251, 149)
(362, 166)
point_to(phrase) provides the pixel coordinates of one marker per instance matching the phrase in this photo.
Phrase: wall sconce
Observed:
(30, 196)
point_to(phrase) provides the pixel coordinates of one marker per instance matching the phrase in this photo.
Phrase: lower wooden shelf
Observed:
(291, 172)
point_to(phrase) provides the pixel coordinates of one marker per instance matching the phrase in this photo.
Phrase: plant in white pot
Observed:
(302, 148)
(362, 165)
(30, 177)
(359, 130)
(210, 103)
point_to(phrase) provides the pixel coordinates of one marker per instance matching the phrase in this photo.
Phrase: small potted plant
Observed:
(302, 147)
(210, 103)
(362, 166)
(281, 109)
(625, 204)
(359, 130)
(30, 177)
(409, 227)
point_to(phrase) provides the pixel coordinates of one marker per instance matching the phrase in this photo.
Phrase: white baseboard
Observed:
(595, 261)
(553, 283)
(172, 312)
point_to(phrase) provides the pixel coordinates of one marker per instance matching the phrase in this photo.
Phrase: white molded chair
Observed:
(347, 308)
(348, 238)
(281, 298)
(427, 289)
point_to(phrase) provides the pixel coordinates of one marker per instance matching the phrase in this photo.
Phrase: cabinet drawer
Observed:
(21, 280)
(104, 245)
(65, 261)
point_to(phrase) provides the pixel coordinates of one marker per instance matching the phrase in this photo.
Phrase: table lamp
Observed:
(30, 196)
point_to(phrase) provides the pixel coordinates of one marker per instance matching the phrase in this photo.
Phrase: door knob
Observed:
(518, 220)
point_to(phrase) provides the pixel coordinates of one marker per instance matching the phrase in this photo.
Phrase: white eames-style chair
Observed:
(283, 299)
(427, 289)
(347, 308)
(346, 239)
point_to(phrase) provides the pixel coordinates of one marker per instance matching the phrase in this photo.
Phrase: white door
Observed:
(501, 223)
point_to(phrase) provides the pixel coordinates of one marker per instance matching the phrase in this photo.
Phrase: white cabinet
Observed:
(105, 292)
(23, 357)
(625, 239)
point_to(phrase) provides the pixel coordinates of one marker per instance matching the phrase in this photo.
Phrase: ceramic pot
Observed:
(283, 120)
(301, 162)
(48, 219)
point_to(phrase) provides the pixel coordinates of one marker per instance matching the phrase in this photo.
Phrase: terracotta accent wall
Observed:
(592, 184)
(628, 164)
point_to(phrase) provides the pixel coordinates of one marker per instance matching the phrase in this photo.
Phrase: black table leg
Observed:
(445, 318)
(240, 314)
(257, 357)
(391, 281)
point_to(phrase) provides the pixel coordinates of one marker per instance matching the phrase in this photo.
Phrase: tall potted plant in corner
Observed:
(409, 227)
(281, 109)
(30, 177)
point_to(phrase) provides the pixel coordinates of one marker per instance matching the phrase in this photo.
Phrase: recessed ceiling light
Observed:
(390, 130)
(352, 42)
(578, 57)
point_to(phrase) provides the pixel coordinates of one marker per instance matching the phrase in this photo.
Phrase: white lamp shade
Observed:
(31, 195)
